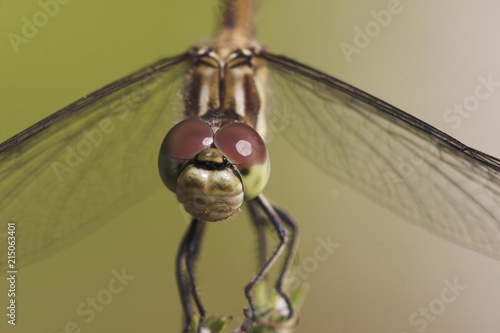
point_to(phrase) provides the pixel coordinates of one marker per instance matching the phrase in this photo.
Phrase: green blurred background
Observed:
(427, 58)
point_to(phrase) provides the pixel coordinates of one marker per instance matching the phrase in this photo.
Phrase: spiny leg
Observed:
(292, 246)
(292, 226)
(258, 221)
(183, 279)
(186, 260)
(275, 219)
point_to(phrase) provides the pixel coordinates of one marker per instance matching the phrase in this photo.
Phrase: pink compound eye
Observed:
(186, 139)
(241, 145)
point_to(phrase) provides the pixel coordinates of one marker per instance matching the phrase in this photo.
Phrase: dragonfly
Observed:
(333, 136)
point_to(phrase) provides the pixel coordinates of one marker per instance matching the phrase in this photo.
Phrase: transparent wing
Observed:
(65, 176)
(419, 172)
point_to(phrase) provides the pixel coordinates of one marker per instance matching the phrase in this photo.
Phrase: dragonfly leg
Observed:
(276, 219)
(259, 221)
(186, 261)
(291, 249)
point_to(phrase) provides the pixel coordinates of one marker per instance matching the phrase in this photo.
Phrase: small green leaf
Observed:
(270, 319)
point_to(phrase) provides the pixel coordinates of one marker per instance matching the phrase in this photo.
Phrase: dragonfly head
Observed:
(213, 173)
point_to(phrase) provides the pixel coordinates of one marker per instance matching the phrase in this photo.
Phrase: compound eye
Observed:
(186, 139)
(241, 145)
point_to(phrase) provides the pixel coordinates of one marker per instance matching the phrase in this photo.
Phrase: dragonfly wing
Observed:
(397, 160)
(67, 175)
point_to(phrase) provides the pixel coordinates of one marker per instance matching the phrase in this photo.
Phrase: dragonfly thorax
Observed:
(226, 84)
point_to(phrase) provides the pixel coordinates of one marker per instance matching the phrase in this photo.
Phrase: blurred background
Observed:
(384, 273)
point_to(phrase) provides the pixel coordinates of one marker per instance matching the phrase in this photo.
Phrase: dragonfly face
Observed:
(215, 159)
(212, 173)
